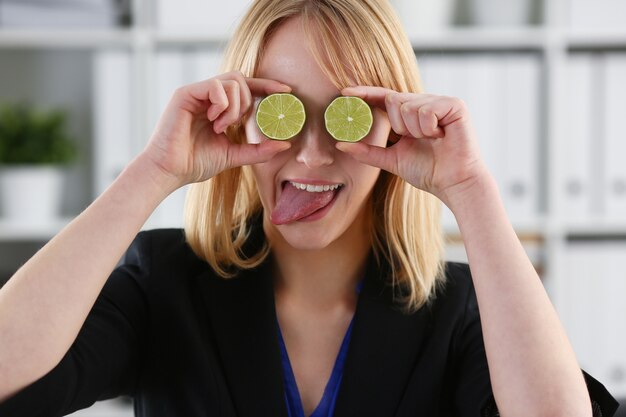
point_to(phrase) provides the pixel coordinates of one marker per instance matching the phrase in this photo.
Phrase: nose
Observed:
(315, 148)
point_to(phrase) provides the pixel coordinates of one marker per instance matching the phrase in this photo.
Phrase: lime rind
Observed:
(280, 116)
(348, 119)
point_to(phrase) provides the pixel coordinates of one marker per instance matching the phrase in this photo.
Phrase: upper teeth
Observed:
(315, 188)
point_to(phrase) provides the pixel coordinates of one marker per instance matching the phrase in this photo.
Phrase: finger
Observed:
(202, 90)
(429, 122)
(248, 154)
(374, 96)
(409, 111)
(439, 113)
(264, 86)
(231, 114)
(245, 97)
(393, 102)
(384, 158)
(418, 117)
(216, 96)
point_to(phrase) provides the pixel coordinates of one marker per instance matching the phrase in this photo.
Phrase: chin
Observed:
(308, 236)
(302, 235)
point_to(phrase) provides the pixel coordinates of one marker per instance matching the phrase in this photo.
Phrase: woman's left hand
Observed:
(436, 152)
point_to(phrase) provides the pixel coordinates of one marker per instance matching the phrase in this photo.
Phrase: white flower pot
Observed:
(423, 16)
(30, 194)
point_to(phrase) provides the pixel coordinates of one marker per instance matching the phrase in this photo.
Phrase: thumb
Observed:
(384, 158)
(248, 154)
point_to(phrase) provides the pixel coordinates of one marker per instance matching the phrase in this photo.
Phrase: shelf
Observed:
(532, 38)
(597, 40)
(50, 39)
(527, 230)
(31, 232)
(472, 39)
(601, 229)
(176, 38)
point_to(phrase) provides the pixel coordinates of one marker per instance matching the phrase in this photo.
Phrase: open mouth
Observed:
(304, 202)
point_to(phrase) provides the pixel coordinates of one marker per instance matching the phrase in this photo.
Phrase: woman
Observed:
(273, 303)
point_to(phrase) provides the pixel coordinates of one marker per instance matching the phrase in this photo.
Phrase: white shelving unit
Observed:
(548, 232)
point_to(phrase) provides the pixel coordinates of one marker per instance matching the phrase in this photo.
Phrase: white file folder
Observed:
(577, 141)
(519, 137)
(593, 310)
(615, 136)
(170, 74)
(113, 116)
(440, 75)
(214, 18)
(481, 85)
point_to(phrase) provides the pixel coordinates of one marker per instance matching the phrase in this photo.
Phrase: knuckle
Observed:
(408, 108)
(391, 98)
(238, 75)
(458, 102)
(179, 91)
(231, 74)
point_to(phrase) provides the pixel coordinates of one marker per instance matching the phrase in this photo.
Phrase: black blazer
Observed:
(186, 343)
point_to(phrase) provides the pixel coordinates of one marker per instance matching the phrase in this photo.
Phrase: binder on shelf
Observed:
(519, 137)
(204, 63)
(113, 115)
(615, 136)
(480, 81)
(586, 15)
(84, 14)
(616, 310)
(582, 311)
(440, 76)
(576, 144)
(171, 73)
(423, 16)
(593, 308)
(209, 18)
(176, 68)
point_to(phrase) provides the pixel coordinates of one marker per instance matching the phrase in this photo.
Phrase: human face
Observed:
(312, 158)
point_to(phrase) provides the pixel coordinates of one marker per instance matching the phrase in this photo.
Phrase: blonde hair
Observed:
(358, 41)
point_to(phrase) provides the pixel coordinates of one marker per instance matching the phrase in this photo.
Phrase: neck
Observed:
(323, 278)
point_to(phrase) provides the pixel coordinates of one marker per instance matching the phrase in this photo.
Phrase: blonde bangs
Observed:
(356, 42)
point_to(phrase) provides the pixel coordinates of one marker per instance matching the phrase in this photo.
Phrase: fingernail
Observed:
(342, 146)
(352, 89)
(282, 146)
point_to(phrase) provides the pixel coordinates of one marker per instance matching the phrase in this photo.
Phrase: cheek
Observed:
(362, 177)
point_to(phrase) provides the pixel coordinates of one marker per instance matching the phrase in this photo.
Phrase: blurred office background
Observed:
(545, 82)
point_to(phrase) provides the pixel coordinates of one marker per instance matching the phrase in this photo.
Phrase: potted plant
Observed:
(34, 149)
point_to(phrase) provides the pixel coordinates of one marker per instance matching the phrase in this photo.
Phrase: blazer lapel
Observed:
(383, 351)
(243, 319)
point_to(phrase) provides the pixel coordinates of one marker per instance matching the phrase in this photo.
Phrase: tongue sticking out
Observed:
(295, 204)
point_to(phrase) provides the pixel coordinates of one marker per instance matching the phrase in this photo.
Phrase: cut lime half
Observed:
(280, 116)
(348, 119)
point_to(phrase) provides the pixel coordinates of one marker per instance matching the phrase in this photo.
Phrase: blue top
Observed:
(326, 406)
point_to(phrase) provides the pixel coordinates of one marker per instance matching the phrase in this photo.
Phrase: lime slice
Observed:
(348, 119)
(280, 116)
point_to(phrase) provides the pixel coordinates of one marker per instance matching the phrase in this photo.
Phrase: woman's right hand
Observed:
(189, 144)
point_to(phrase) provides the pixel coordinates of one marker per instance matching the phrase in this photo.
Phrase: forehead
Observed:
(288, 59)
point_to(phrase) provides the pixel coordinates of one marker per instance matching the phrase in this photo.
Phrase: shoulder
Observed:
(159, 246)
(455, 300)
(163, 254)
(457, 285)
